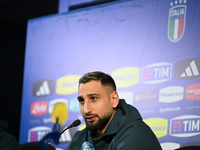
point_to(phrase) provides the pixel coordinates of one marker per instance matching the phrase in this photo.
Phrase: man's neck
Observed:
(98, 133)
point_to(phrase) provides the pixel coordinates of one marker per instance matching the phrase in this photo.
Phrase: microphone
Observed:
(58, 116)
(59, 111)
(74, 124)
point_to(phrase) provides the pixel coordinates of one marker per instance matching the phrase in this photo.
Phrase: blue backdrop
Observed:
(151, 48)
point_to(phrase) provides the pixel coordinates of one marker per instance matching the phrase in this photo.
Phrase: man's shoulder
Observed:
(135, 134)
(78, 139)
(134, 129)
(81, 133)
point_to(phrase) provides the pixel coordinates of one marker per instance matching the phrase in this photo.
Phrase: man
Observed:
(111, 124)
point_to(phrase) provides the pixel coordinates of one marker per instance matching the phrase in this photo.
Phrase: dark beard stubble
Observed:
(102, 122)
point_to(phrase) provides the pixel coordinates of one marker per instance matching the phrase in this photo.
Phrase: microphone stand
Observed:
(51, 136)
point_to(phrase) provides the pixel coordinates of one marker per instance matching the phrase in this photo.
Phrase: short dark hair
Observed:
(105, 79)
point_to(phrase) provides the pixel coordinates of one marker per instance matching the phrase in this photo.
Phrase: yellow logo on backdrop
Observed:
(125, 77)
(158, 126)
(81, 127)
(67, 84)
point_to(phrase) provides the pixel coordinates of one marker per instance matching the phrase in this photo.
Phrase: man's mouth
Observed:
(90, 118)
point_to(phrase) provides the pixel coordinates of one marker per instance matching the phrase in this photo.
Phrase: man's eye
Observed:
(93, 98)
(81, 100)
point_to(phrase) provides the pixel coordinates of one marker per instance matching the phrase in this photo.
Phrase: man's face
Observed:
(96, 104)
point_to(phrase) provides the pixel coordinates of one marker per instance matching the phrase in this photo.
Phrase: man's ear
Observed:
(115, 99)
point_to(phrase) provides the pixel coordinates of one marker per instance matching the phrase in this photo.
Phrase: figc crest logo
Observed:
(176, 20)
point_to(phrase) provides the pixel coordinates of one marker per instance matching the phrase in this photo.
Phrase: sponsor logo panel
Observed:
(67, 84)
(185, 126)
(192, 92)
(169, 145)
(126, 77)
(156, 73)
(81, 127)
(169, 109)
(73, 105)
(176, 20)
(128, 96)
(36, 134)
(53, 102)
(171, 94)
(187, 69)
(39, 108)
(67, 135)
(59, 148)
(158, 126)
(146, 97)
(43, 88)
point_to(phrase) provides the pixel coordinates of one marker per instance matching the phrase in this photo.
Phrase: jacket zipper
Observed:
(92, 142)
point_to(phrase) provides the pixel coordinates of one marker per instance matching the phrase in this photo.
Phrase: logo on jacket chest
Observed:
(87, 146)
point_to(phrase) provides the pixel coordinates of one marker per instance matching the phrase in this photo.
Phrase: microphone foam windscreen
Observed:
(60, 110)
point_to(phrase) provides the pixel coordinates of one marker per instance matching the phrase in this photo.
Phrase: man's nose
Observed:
(87, 107)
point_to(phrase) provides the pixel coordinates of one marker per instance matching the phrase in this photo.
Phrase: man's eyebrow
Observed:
(93, 94)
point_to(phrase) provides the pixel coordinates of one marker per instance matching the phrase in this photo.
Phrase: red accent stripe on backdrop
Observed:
(180, 29)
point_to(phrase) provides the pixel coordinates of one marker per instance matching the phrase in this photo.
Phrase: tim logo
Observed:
(192, 92)
(176, 20)
(156, 73)
(185, 126)
(43, 88)
(187, 69)
(39, 108)
(37, 133)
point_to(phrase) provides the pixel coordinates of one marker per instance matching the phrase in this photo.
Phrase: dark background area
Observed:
(14, 15)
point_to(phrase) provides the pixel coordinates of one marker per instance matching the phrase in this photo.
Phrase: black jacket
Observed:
(126, 131)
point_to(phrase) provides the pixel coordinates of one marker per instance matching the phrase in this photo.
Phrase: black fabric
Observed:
(189, 148)
(34, 146)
